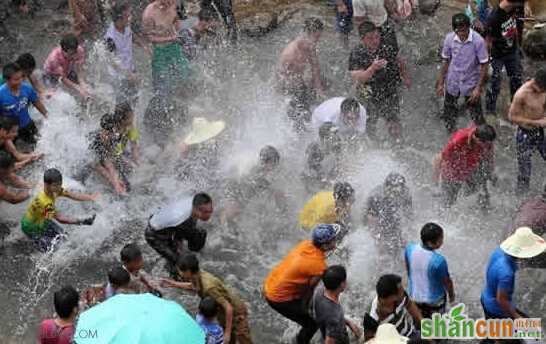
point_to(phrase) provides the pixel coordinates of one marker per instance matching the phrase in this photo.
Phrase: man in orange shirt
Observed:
(290, 285)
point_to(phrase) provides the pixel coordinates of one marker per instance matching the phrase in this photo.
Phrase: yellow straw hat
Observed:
(203, 130)
(387, 334)
(524, 244)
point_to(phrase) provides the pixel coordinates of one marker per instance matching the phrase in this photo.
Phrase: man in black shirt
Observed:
(503, 41)
(377, 69)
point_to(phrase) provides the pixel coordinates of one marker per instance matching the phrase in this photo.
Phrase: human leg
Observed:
(494, 86)
(241, 328)
(163, 244)
(296, 311)
(450, 190)
(525, 143)
(514, 71)
(450, 112)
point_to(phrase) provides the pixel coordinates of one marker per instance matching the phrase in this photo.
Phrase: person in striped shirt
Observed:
(428, 275)
(394, 306)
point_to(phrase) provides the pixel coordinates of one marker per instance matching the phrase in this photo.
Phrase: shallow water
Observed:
(238, 88)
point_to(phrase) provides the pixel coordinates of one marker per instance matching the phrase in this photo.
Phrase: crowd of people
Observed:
(302, 287)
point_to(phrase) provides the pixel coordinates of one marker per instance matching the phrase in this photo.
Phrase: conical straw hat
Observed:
(524, 244)
(203, 130)
(387, 334)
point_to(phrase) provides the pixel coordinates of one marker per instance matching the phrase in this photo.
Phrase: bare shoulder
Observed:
(148, 11)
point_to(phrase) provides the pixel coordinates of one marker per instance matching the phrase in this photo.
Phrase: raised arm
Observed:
(76, 196)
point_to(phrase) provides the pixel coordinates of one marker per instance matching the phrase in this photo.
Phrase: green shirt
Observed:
(210, 285)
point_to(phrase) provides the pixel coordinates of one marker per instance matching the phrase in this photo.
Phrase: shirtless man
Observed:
(293, 61)
(161, 26)
(528, 111)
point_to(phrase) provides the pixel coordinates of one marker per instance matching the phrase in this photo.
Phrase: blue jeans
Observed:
(526, 143)
(512, 63)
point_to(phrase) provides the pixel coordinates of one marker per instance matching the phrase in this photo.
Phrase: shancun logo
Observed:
(457, 325)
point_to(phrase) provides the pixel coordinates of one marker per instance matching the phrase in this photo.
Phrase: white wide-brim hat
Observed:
(524, 244)
(387, 334)
(203, 130)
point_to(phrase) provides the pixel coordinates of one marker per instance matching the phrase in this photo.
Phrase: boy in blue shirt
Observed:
(208, 310)
(15, 98)
(428, 273)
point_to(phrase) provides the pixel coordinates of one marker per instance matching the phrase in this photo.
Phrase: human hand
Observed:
(94, 196)
(119, 188)
(406, 80)
(88, 221)
(475, 96)
(167, 283)
(36, 156)
(341, 8)
(84, 92)
(540, 122)
(355, 329)
(440, 90)
(227, 337)
(378, 64)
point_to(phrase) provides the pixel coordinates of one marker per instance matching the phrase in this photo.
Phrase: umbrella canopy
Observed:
(137, 319)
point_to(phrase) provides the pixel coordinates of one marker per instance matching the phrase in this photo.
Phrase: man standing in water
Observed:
(293, 61)
(170, 226)
(289, 287)
(377, 69)
(528, 111)
(170, 68)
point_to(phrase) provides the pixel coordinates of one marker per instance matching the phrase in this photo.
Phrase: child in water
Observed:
(38, 222)
(109, 145)
(206, 318)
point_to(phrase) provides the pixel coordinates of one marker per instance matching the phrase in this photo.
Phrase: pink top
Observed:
(58, 64)
(51, 333)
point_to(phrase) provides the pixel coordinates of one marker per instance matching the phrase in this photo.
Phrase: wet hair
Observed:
(26, 62)
(208, 307)
(201, 199)
(122, 112)
(53, 176)
(395, 179)
(540, 79)
(485, 133)
(130, 253)
(350, 105)
(65, 300)
(365, 28)
(387, 285)
(188, 262)
(69, 42)
(460, 20)
(107, 122)
(334, 276)
(7, 123)
(431, 232)
(118, 10)
(343, 191)
(6, 160)
(207, 14)
(269, 154)
(10, 69)
(312, 25)
(119, 277)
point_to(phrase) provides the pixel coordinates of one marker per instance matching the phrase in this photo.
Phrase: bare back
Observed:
(160, 20)
(295, 57)
(529, 103)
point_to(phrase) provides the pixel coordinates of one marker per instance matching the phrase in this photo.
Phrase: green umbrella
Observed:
(137, 319)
